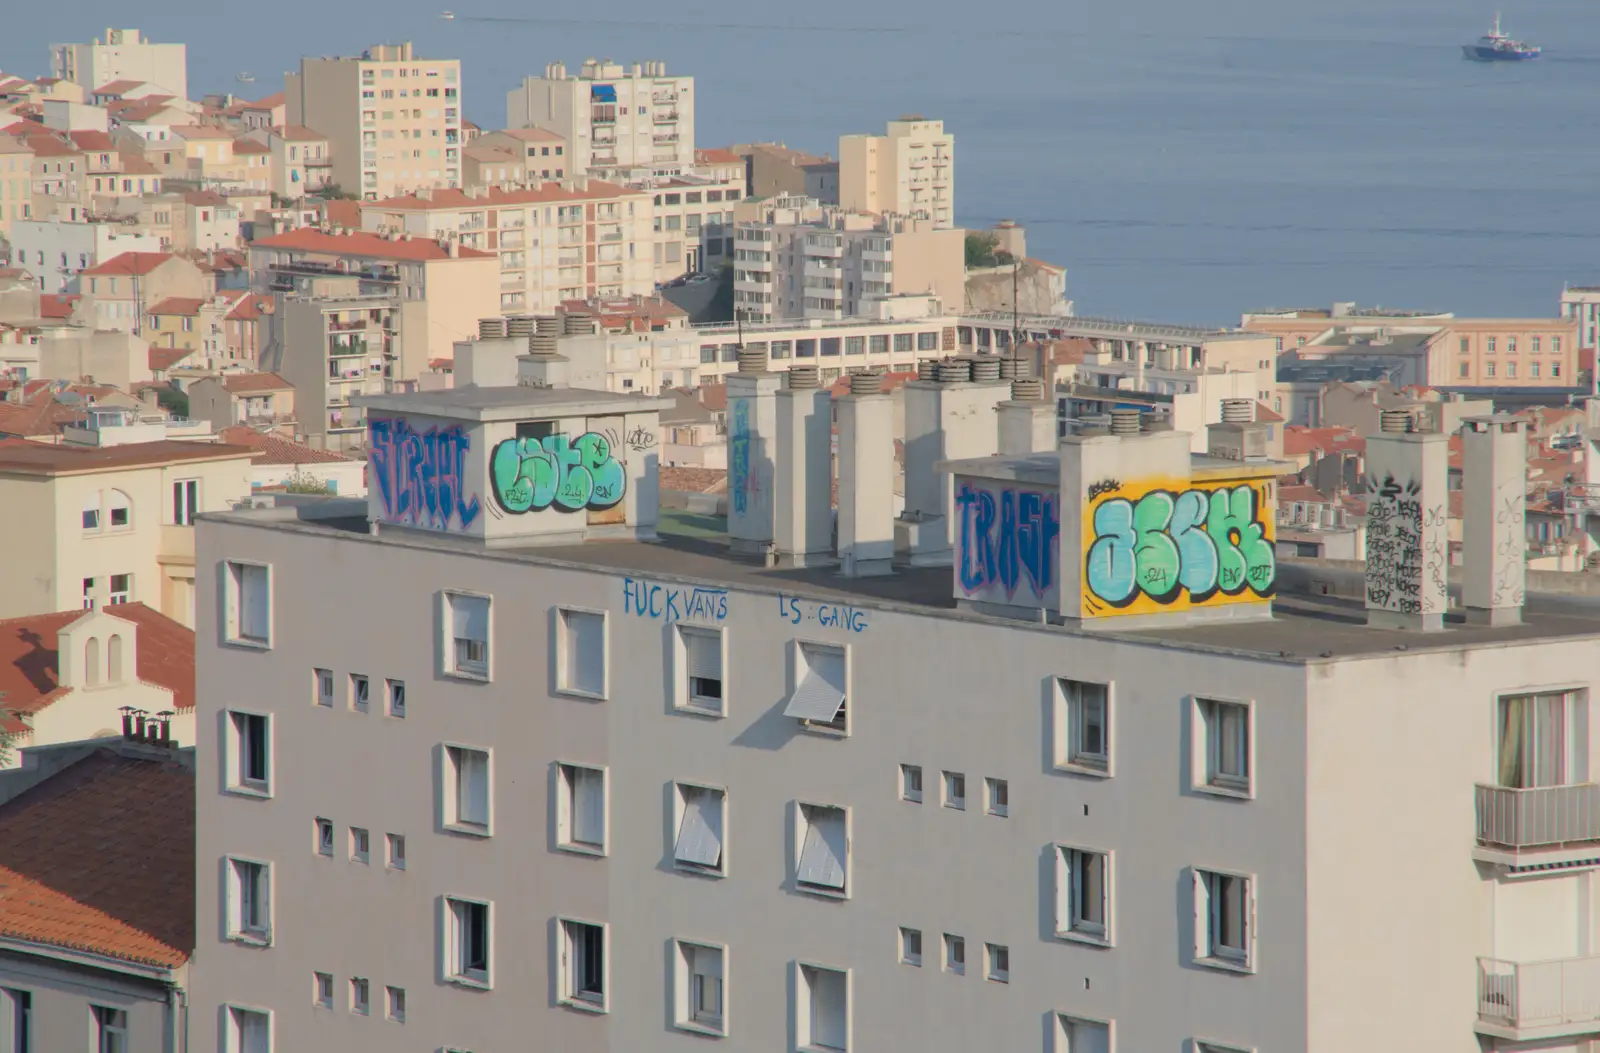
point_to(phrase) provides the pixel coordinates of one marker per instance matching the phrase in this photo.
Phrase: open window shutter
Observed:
(1202, 913)
(235, 887)
(1249, 920)
(828, 1009)
(700, 834)
(446, 940)
(1105, 894)
(704, 652)
(477, 768)
(820, 691)
(264, 896)
(255, 600)
(588, 806)
(589, 633)
(822, 857)
(253, 1033)
(469, 617)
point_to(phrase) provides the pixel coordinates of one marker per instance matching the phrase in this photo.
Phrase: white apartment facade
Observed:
(392, 119)
(58, 250)
(573, 240)
(611, 115)
(694, 221)
(787, 810)
(909, 170)
(122, 54)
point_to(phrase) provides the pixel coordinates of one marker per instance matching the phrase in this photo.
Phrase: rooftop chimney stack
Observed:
(866, 478)
(1238, 437)
(1027, 421)
(1407, 533)
(802, 496)
(1494, 495)
(752, 428)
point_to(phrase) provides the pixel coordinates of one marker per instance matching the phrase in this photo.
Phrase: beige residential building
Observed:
(106, 525)
(694, 219)
(797, 259)
(611, 115)
(452, 285)
(122, 54)
(119, 293)
(260, 400)
(573, 240)
(543, 153)
(301, 160)
(487, 166)
(392, 118)
(909, 171)
(16, 182)
(774, 170)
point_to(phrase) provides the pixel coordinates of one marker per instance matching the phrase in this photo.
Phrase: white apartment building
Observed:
(694, 220)
(1583, 302)
(799, 259)
(1029, 799)
(576, 239)
(56, 251)
(910, 171)
(126, 55)
(611, 115)
(392, 119)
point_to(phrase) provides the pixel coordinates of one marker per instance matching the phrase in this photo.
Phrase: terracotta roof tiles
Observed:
(365, 244)
(29, 662)
(134, 263)
(275, 449)
(245, 383)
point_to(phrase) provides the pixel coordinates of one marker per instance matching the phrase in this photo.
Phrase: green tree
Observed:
(981, 249)
(173, 401)
(305, 483)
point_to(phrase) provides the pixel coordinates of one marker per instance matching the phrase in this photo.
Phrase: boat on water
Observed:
(1495, 46)
(449, 16)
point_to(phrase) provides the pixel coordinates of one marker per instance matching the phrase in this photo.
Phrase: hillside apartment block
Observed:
(392, 118)
(125, 55)
(574, 240)
(909, 171)
(611, 115)
(738, 782)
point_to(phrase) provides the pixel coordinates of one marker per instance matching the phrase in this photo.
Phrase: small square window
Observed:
(1224, 920)
(322, 685)
(396, 851)
(1222, 758)
(699, 988)
(699, 840)
(324, 833)
(581, 800)
(248, 896)
(1083, 895)
(396, 691)
(395, 1010)
(581, 656)
(583, 966)
(466, 647)
(911, 783)
(322, 990)
(997, 963)
(248, 602)
(247, 753)
(359, 992)
(819, 698)
(955, 954)
(955, 790)
(997, 797)
(360, 692)
(467, 790)
(822, 849)
(1083, 727)
(360, 845)
(911, 947)
(701, 684)
(466, 958)
(121, 588)
(822, 1012)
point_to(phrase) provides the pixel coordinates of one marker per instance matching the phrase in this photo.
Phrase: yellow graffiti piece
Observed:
(1158, 545)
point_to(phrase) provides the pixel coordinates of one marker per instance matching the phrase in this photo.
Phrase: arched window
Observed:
(121, 510)
(114, 659)
(91, 662)
(91, 511)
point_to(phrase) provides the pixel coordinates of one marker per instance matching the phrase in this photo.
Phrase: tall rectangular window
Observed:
(360, 692)
(1541, 741)
(698, 987)
(911, 783)
(111, 1029)
(955, 790)
(396, 851)
(700, 686)
(16, 1021)
(822, 855)
(698, 840)
(822, 1017)
(467, 792)
(467, 932)
(955, 954)
(1224, 755)
(997, 797)
(820, 693)
(581, 662)
(360, 995)
(396, 690)
(247, 753)
(467, 643)
(1083, 895)
(249, 901)
(121, 588)
(185, 501)
(582, 968)
(911, 946)
(395, 997)
(1083, 726)
(582, 799)
(248, 602)
(1224, 919)
(322, 685)
(248, 1030)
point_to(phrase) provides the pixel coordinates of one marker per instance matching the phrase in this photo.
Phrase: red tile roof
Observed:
(92, 139)
(250, 146)
(363, 243)
(693, 480)
(30, 666)
(251, 307)
(202, 131)
(179, 305)
(718, 156)
(100, 858)
(841, 386)
(135, 263)
(275, 449)
(342, 211)
(57, 305)
(245, 383)
(1298, 439)
(444, 199)
(39, 458)
(162, 359)
(271, 102)
(51, 146)
(117, 87)
(532, 135)
(299, 133)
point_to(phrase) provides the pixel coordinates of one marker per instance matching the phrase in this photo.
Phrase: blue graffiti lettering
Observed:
(739, 457)
(421, 476)
(644, 599)
(828, 615)
(1007, 538)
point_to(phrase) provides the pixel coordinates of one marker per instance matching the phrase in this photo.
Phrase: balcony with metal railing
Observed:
(1515, 824)
(664, 116)
(1531, 1001)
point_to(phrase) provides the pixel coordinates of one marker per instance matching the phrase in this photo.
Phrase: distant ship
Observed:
(1495, 46)
(449, 16)
(246, 78)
